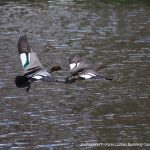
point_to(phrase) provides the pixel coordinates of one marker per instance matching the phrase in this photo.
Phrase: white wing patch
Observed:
(87, 76)
(78, 64)
(73, 65)
(23, 58)
(29, 57)
(37, 77)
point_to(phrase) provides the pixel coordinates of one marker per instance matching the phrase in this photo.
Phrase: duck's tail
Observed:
(102, 77)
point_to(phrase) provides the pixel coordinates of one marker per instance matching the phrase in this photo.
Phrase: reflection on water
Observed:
(59, 116)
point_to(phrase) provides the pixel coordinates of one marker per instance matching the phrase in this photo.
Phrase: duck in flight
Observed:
(81, 70)
(33, 69)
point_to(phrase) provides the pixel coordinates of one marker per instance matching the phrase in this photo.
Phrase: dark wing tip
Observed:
(74, 58)
(23, 45)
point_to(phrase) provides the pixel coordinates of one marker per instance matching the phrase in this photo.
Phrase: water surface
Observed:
(60, 116)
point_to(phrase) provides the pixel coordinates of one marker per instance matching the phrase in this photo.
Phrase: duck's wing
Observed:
(77, 63)
(74, 58)
(74, 76)
(28, 58)
(92, 74)
(87, 73)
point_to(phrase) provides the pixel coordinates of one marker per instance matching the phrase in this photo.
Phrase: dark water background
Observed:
(60, 116)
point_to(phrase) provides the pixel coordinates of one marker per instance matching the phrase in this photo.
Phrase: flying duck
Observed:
(33, 69)
(81, 70)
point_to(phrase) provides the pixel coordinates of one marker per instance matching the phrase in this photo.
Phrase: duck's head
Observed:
(56, 68)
